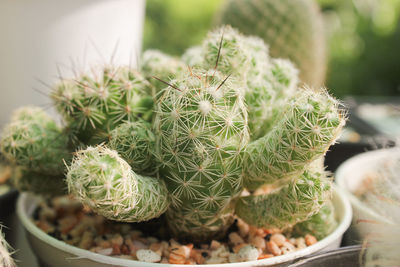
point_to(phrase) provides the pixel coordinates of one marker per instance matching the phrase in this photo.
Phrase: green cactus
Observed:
(93, 105)
(135, 142)
(201, 129)
(319, 225)
(33, 140)
(292, 29)
(302, 198)
(101, 179)
(310, 124)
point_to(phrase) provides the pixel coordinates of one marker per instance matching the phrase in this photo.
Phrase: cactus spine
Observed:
(293, 30)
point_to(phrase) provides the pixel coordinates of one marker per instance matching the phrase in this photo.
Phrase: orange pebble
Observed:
(273, 248)
(310, 239)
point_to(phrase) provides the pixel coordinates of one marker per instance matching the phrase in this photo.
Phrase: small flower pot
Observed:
(349, 176)
(52, 252)
(39, 35)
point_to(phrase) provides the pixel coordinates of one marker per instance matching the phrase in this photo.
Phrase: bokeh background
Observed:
(363, 39)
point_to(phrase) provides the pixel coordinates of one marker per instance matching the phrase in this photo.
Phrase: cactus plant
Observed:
(232, 121)
(293, 30)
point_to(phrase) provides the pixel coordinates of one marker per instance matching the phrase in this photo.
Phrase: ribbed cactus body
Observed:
(296, 201)
(135, 142)
(201, 129)
(33, 140)
(310, 124)
(292, 29)
(92, 105)
(101, 179)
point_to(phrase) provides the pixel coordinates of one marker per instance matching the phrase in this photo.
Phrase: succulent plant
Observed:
(292, 29)
(231, 122)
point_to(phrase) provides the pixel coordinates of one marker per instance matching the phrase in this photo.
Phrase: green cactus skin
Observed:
(33, 140)
(267, 82)
(25, 180)
(101, 179)
(135, 141)
(294, 202)
(155, 63)
(201, 129)
(293, 30)
(94, 104)
(311, 124)
(319, 225)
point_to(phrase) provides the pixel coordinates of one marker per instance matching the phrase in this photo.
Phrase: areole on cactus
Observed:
(195, 142)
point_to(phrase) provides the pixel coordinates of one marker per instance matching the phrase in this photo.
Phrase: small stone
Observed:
(248, 253)
(147, 255)
(310, 239)
(279, 239)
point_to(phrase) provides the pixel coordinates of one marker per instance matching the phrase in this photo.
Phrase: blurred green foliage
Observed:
(364, 39)
(174, 25)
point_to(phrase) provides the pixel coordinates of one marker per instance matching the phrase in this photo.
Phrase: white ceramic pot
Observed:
(52, 252)
(38, 35)
(350, 176)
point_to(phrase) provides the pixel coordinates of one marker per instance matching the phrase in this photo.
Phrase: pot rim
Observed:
(341, 202)
(350, 166)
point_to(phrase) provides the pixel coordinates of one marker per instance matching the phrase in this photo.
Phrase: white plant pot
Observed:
(350, 176)
(52, 252)
(39, 35)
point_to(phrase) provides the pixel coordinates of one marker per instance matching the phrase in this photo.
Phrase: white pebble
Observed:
(147, 255)
(248, 253)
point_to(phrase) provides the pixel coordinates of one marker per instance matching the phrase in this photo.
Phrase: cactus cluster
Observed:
(293, 30)
(194, 138)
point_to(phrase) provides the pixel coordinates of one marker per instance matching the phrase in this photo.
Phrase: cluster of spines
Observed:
(93, 105)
